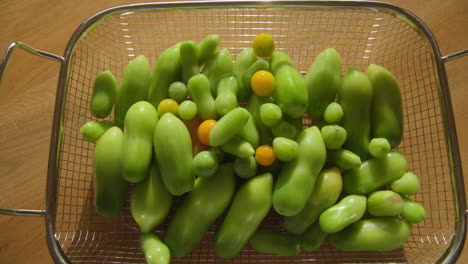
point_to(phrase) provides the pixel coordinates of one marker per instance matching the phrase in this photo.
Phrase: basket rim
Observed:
(456, 245)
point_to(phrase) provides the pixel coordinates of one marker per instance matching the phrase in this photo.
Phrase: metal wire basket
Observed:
(362, 32)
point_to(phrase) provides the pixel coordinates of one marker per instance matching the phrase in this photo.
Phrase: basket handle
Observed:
(455, 55)
(3, 66)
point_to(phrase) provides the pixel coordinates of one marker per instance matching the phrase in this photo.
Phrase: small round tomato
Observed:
(204, 131)
(265, 155)
(263, 45)
(168, 106)
(262, 83)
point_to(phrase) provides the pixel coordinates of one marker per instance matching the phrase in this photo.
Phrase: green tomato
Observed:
(349, 210)
(275, 242)
(92, 130)
(250, 206)
(379, 234)
(379, 147)
(270, 114)
(188, 110)
(407, 184)
(285, 149)
(178, 91)
(334, 136)
(154, 250)
(333, 113)
(245, 167)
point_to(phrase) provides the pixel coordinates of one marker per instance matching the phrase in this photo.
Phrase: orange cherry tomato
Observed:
(204, 131)
(262, 83)
(265, 155)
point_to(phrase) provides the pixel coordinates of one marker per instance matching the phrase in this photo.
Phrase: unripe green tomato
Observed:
(178, 91)
(270, 114)
(188, 110)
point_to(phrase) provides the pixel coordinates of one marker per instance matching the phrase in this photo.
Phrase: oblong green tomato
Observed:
(297, 178)
(189, 59)
(384, 203)
(228, 126)
(326, 192)
(217, 67)
(199, 90)
(133, 87)
(376, 234)
(154, 250)
(238, 147)
(270, 114)
(104, 94)
(250, 206)
(173, 150)
(140, 121)
(249, 132)
(109, 188)
(243, 61)
(226, 99)
(275, 242)
(285, 149)
(279, 59)
(412, 212)
(313, 237)
(264, 132)
(387, 111)
(207, 47)
(290, 92)
(343, 159)
(150, 201)
(168, 69)
(355, 96)
(374, 173)
(209, 198)
(349, 210)
(92, 130)
(323, 80)
(245, 167)
(407, 184)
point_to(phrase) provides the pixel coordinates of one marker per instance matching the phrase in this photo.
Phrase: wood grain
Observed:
(28, 94)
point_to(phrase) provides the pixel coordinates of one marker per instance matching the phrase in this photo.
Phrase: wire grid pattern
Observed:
(361, 35)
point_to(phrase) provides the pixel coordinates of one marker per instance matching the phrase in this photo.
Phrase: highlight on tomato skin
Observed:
(204, 131)
(263, 83)
(265, 155)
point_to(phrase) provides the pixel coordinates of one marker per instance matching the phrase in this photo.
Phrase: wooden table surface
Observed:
(27, 96)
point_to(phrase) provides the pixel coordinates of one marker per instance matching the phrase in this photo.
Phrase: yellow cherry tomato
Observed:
(204, 131)
(168, 106)
(265, 155)
(263, 45)
(263, 83)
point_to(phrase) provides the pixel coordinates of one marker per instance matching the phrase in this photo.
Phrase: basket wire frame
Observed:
(361, 35)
